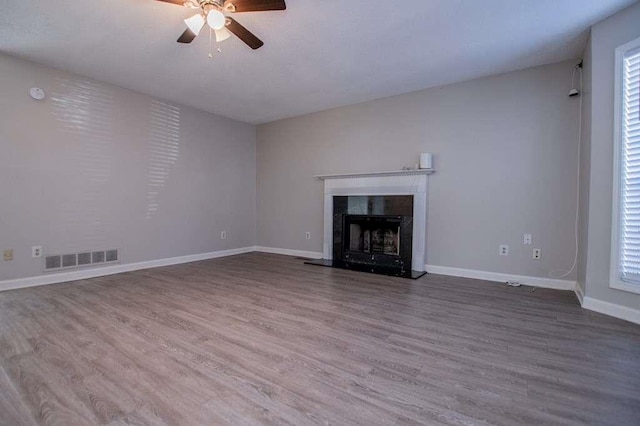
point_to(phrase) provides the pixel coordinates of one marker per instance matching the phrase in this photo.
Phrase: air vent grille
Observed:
(111, 255)
(69, 260)
(97, 257)
(52, 262)
(82, 259)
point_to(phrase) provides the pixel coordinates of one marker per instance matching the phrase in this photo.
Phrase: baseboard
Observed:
(579, 293)
(496, 276)
(82, 274)
(299, 253)
(611, 309)
(617, 311)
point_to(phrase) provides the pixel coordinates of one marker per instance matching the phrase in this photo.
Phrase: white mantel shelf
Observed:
(372, 174)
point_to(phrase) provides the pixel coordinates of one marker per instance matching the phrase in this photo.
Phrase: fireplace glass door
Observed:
(369, 234)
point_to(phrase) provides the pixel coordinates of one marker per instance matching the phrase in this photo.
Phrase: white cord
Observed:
(576, 224)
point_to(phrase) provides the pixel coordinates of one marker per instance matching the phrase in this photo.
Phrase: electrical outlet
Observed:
(526, 239)
(503, 250)
(537, 254)
(307, 235)
(7, 254)
(223, 235)
(36, 251)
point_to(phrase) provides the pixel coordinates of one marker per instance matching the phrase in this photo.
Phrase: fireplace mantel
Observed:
(401, 182)
(374, 174)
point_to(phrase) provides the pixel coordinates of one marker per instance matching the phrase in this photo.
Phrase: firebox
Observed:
(373, 233)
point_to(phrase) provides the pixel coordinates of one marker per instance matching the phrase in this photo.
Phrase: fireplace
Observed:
(373, 233)
(376, 222)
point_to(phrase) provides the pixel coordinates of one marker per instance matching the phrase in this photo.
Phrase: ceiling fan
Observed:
(213, 13)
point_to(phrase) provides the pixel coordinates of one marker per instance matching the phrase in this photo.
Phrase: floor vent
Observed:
(82, 259)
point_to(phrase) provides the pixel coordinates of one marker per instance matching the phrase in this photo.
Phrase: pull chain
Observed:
(218, 48)
(210, 43)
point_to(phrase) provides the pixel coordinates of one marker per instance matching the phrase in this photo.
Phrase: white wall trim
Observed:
(579, 293)
(618, 284)
(499, 277)
(615, 269)
(288, 252)
(590, 303)
(611, 309)
(81, 274)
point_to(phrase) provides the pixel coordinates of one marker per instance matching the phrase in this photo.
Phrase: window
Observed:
(625, 258)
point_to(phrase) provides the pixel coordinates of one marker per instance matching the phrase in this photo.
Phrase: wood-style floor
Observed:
(265, 339)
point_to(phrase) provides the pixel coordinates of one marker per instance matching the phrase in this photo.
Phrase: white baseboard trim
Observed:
(287, 252)
(496, 276)
(82, 274)
(579, 293)
(611, 309)
(617, 311)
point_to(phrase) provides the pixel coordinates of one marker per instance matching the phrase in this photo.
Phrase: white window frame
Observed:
(615, 281)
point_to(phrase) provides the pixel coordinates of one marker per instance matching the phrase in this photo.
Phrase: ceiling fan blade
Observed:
(187, 36)
(178, 2)
(243, 34)
(253, 5)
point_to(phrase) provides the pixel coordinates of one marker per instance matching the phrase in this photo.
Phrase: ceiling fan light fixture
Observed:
(216, 19)
(216, 14)
(222, 34)
(195, 23)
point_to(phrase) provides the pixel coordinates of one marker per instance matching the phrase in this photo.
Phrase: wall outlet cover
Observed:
(223, 235)
(537, 254)
(526, 239)
(36, 251)
(503, 250)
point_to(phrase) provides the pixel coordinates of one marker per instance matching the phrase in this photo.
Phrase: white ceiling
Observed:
(317, 54)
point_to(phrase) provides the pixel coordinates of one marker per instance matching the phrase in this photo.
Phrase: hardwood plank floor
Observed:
(265, 339)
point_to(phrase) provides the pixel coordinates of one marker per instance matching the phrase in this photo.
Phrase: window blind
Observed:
(630, 169)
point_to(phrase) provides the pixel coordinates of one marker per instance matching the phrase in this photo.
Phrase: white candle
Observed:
(426, 160)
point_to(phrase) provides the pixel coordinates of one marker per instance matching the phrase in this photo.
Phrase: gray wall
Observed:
(605, 37)
(95, 166)
(585, 167)
(505, 151)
